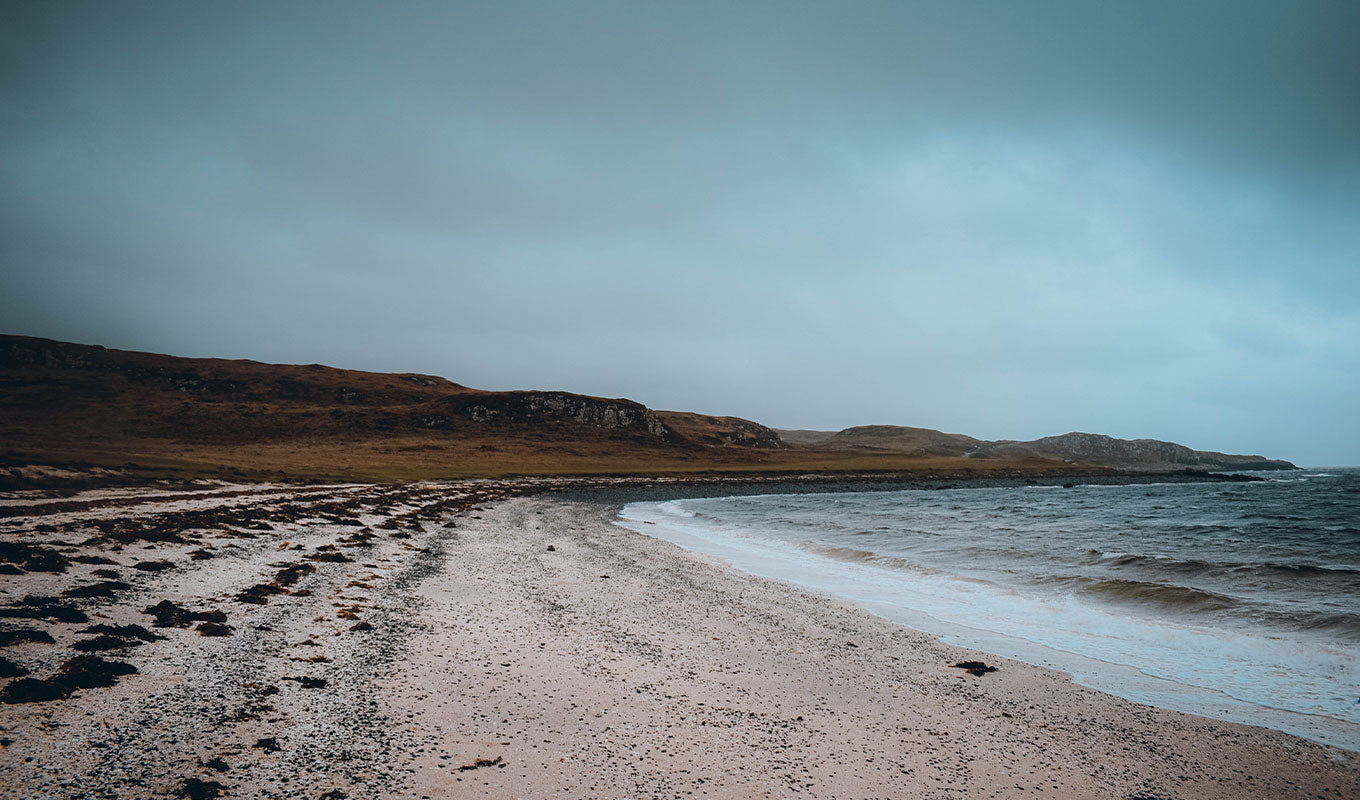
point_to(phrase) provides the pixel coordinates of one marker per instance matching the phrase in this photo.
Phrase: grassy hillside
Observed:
(156, 416)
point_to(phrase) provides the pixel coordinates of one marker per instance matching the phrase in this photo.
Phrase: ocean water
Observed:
(1239, 601)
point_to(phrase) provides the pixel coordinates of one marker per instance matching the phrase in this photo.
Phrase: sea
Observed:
(1237, 601)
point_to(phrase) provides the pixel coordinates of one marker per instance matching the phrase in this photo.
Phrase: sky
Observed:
(1003, 219)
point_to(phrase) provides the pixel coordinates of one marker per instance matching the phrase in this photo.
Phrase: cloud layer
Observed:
(1007, 222)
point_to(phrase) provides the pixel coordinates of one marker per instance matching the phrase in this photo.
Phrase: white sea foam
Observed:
(1294, 685)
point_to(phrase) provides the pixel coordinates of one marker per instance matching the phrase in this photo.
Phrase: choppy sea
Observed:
(1239, 601)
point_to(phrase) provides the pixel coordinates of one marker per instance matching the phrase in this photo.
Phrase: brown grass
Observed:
(161, 416)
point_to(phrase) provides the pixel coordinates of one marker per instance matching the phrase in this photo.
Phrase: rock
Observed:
(975, 668)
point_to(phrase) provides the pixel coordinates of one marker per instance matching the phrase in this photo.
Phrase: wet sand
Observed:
(424, 641)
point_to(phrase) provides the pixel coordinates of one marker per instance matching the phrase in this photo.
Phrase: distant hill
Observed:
(71, 402)
(890, 438)
(1149, 455)
(1139, 455)
(84, 408)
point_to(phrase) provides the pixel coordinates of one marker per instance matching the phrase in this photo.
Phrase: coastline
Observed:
(1166, 661)
(614, 665)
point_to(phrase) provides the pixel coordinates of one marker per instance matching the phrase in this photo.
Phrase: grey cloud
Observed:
(1001, 219)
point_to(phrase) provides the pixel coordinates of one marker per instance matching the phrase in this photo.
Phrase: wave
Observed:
(1192, 566)
(1343, 625)
(1190, 600)
(1166, 596)
(1161, 594)
(856, 556)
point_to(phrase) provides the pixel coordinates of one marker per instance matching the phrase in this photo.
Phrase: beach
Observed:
(480, 638)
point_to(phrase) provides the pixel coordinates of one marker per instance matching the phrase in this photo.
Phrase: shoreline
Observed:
(937, 613)
(460, 656)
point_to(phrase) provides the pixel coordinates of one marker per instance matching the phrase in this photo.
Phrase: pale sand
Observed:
(673, 676)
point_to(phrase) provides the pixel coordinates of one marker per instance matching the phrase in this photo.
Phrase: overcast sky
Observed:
(1002, 219)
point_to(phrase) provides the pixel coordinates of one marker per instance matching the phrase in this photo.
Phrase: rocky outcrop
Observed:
(528, 408)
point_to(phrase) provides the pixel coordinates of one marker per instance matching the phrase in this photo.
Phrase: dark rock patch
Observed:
(33, 558)
(363, 538)
(195, 789)
(259, 594)
(292, 574)
(214, 629)
(100, 589)
(9, 669)
(124, 531)
(91, 672)
(975, 668)
(308, 683)
(124, 631)
(33, 690)
(22, 635)
(173, 615)
(330, 556)
(153, 566)
(92, 560)
(269, 745)
(41, 607)
(106, 642)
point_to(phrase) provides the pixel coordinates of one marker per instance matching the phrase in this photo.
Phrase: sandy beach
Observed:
(461, 640)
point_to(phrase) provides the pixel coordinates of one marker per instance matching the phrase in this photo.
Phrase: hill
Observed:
(1135, 455)
(1142, 455)
(66, 405)
(158, 415)
(885, 438)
